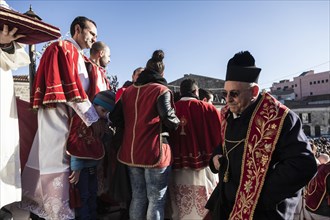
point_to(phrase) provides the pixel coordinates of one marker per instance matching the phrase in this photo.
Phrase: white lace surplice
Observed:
(189, 191)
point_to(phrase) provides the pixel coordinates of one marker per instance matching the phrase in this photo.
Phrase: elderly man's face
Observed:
(238, 95)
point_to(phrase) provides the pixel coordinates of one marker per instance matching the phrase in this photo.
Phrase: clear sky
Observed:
(199, 37)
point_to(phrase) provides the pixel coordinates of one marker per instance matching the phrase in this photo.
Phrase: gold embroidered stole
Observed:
(263, 132)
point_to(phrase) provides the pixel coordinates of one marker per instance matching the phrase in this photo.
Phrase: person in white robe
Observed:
(12, 56)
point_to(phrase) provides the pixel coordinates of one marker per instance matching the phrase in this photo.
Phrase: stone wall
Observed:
(22, 90)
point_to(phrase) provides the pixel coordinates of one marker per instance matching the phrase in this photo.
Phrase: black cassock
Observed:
(292, 166)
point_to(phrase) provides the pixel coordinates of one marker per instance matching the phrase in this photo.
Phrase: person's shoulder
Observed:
(127, 84)
(156, 86)
(325, 166)
(192, 103)
(60, 45)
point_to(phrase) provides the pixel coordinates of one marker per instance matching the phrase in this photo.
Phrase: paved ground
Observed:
(19, 214)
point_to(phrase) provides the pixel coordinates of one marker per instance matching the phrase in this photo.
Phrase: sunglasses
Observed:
(232, 94)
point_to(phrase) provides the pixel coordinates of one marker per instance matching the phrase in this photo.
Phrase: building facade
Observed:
(308, 95)
(22, 87)
(305, 85)
(212, 84)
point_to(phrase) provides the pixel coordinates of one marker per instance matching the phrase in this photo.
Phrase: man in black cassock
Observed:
(264, 159)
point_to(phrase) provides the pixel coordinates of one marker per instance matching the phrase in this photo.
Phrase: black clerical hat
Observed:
(242, 68)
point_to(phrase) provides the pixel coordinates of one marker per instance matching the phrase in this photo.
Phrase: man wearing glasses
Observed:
(264, 158)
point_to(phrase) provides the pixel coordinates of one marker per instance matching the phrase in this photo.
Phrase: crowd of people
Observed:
(320, 145)
(183, 158)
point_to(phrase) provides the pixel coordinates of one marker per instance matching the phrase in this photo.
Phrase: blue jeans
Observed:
(87, 186)
(149, 186)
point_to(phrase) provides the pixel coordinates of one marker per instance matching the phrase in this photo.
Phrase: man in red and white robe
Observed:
(193, 144)
(60, 91)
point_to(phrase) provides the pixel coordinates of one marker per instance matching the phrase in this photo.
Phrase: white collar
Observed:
(187, 98)
(75, 44)
(236, 115)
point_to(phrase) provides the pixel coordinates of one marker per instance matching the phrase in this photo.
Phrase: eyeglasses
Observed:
(232, 93)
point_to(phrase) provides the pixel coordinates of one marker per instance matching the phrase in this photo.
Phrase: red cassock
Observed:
(35, 30)
(198, 134)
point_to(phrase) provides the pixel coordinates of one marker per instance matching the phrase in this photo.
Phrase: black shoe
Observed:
(35, 217)
(103, 207)
(124, 214)
(5, 214)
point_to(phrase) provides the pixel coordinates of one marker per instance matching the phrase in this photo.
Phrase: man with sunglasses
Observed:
(264, 159)
(61, 88)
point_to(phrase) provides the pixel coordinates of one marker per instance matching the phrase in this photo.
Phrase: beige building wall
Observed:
(22, 90)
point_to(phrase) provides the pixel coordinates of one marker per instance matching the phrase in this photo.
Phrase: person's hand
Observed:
(74, 177)
(98, 128)
(216, 161)
(7, 36)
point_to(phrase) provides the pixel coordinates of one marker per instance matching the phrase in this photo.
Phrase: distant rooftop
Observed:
(304, 73)
(21, 78)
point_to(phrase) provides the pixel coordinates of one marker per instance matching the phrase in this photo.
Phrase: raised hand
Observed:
(7, 36)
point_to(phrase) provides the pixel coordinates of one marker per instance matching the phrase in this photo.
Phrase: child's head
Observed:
(104, 102)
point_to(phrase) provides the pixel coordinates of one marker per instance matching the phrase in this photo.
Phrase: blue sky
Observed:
(199, 37)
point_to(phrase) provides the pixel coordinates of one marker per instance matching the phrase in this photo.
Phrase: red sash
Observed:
(94, 73)
(317, 188)
(262, 135)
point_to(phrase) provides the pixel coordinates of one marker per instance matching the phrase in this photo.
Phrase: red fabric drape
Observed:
(28, 124)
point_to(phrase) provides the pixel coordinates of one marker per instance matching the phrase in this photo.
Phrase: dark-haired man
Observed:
(264, 159)
(135, 76)
(206, 95)
(59, 91)
(193, 143)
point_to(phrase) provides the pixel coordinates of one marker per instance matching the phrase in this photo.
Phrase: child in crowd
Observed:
(86, 151)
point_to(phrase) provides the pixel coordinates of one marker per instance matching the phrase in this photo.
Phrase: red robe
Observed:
(198, 134)
(142, 144)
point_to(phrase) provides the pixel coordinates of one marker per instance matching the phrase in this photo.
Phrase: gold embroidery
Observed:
(263, 133)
